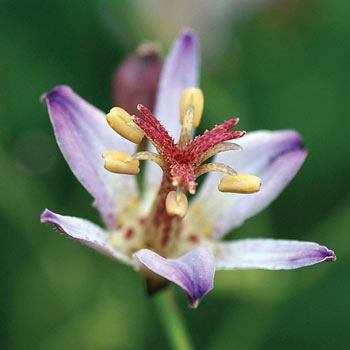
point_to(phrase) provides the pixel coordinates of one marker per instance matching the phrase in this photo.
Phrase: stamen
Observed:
(203, 143)
(221, 147)
(121, 163)
(194, 97)
(186, 131)
(240, 184)
(176, 204)
(219, 167)
(121, 122)
(149, 156)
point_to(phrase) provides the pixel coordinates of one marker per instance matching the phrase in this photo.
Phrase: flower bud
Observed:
(194, 97)
(136, 80)
(240, 184)
(121, 163)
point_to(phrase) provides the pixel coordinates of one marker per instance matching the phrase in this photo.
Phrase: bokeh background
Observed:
(278, 64)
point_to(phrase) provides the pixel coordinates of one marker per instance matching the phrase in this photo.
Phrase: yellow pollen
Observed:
(194, 97)
(114, 241)
(120, 222)
(240, 184)
(197, 209)
(121, 163)
(134, 203)
(207, 230)
(176, 204)
(175, 183)
(121, 122)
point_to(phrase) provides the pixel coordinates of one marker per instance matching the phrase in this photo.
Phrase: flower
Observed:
(159, 232)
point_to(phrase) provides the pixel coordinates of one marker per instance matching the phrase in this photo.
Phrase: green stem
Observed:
(172, 321)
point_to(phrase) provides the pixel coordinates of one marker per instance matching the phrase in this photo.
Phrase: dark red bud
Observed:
(136, 80)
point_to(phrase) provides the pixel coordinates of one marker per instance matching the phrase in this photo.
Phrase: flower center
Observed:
(182, 162)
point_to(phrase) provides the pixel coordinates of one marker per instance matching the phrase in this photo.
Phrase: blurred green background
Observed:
(277, 65)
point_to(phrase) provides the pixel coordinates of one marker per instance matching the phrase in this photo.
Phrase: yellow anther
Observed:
(121, 163)
(121, 122)
(194, 97)
(240, 184)
(176, 204)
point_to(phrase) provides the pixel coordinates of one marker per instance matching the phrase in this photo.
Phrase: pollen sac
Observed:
(240, 184)
(121, 122)
(176, 204)
(194, 97)
(121, 163)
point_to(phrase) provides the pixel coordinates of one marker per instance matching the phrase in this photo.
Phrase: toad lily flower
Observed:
(159, 232)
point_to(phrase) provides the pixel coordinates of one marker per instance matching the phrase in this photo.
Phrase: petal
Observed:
(193, 272)
(83, 134)
(180, 71)
(273, 156)
(270, 254)
(85, 232)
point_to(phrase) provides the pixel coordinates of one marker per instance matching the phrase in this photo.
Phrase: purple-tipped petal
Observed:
(273, 156)
(270, 254)
(180, 71)
(193, 272)
(85, 232)
(83, 134)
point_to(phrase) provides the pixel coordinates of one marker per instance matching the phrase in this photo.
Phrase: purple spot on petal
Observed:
(329, 255)
(293, 143)
(188, 38)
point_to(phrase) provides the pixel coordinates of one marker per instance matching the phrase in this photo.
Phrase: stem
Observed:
(172, 321)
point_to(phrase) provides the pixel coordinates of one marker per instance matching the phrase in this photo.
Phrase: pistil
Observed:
(162, 227)
(181, 163)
